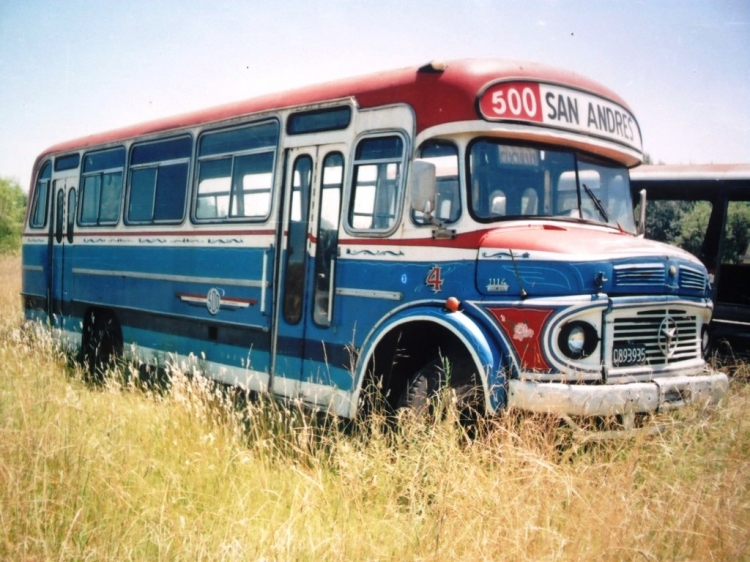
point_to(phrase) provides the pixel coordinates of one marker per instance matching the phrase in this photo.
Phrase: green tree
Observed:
(736, 232)
(664, 218)
(692, 227)
(12, 212)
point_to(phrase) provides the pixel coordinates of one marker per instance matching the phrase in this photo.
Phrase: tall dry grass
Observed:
(122, 472)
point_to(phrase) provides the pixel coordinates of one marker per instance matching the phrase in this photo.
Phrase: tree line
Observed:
(12, 213)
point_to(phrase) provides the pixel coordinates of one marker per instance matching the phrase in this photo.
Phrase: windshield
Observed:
(519, 181)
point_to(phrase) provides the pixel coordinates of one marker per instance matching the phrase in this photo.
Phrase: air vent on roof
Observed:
(434, 66)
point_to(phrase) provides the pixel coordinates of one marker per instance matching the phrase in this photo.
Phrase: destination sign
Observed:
(560, 107)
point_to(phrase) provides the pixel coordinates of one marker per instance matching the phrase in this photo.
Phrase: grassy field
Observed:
(119, 472)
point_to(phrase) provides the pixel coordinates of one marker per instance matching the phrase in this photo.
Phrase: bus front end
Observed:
(598, 320)
(589, 318)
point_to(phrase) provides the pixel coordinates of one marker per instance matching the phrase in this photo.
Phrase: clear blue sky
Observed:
(74, 67)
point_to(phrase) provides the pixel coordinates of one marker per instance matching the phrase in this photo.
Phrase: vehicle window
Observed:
(680, 223)
(38, 217)
(158, 180)
(734, 268)
(327, 239)
(235, 176)
(101, 191)
(67, 162)
(59, 211)
(329, 119)
(376, 183)
(522, 181)
(296, 256)
(71, 214)
(736, 236)
(444, 156)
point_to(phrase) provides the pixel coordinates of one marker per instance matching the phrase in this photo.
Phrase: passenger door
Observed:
(307, 264)
(62, 233)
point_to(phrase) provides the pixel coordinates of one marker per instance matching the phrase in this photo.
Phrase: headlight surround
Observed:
(578, 339)
(705, 342)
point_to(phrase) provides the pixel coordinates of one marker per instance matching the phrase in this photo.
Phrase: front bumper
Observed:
(617, 399)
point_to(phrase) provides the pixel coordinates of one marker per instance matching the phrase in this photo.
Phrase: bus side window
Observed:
(444, 156)
(101, 188)
(71, 214)
(59, 211)
(328, 235)
(235, 173)
(376, 183)
(158, 180)
(38, 216)
(296, 256)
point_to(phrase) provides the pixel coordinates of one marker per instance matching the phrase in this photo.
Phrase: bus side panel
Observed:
(34, 260)
(367, 292)
(205, 301)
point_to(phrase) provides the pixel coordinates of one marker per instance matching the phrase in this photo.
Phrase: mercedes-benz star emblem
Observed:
(667, 336)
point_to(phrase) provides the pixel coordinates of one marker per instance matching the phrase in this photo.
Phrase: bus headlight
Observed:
(578, 339)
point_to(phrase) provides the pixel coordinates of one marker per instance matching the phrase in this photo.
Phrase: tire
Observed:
(425, 388)
(103, 345)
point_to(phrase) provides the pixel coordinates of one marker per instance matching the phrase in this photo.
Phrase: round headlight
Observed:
(578, 339)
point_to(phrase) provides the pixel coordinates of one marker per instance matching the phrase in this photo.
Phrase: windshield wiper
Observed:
(597, 203)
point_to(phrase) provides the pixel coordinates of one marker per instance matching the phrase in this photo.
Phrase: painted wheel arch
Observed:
(486, 354)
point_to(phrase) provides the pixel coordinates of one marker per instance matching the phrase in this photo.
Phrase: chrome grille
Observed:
(692, 279)
(668, 335)
(639, 274)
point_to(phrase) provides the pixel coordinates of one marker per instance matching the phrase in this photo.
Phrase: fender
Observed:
(489, 361)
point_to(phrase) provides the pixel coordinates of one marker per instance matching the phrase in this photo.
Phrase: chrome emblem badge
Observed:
(667, 338)
(213, 301)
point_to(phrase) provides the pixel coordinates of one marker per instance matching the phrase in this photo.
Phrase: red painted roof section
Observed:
(437, 97)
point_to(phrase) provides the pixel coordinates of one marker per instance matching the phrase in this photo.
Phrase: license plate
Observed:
(625, 355)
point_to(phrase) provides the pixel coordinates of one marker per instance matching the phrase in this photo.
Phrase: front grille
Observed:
(692, 279)
(639, 274)
(668, 335)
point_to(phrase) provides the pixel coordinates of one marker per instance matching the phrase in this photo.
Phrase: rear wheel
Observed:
(102, 344)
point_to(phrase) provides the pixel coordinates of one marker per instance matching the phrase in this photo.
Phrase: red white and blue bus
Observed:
(467, 224)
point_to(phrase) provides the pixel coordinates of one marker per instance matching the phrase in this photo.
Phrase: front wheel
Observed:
(423, 389)
(427, 387)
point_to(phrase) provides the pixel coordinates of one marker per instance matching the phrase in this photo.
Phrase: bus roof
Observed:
(453, 95)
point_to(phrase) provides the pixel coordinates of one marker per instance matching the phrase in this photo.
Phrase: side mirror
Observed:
(642, 217)
(422, 186)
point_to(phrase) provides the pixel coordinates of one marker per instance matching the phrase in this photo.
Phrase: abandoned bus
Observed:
(466, 224)
(705, 209)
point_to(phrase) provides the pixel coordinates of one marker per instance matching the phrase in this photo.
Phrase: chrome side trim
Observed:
(369, 294)
(177, 278)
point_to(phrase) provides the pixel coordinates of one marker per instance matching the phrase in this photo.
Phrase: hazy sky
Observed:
(70, 68)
